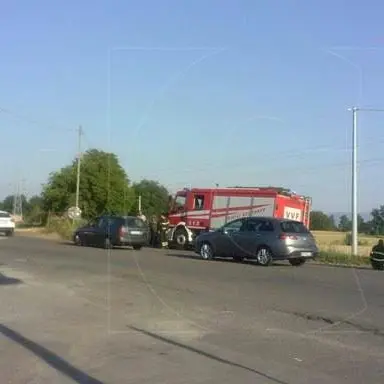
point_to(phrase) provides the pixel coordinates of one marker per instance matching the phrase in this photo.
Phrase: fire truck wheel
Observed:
(206, 251)
(264, 256)
(181, 238)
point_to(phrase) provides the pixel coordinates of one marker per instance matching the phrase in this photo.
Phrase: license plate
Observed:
(306, 254)
(136, 233)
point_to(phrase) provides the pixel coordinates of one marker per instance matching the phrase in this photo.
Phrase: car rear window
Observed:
(134, 222)
(293, 227)
(5, 215)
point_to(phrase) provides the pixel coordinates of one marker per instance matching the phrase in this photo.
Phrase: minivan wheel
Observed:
(206, 251)
(77, 240)
(296, 262)
(264, 256)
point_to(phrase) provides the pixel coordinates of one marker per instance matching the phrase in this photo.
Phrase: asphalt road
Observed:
(85, 315)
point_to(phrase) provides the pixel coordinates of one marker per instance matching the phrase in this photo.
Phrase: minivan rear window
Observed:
(5, 215)
(134, 222)
(293, 227)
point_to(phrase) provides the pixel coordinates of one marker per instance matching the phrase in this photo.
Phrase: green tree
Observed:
(7, 203)
(320, 221)
(35, 213)
(363, 226)
(345, 224)
(377, 222)
(104, 186)
(332, 222)
(154, 197)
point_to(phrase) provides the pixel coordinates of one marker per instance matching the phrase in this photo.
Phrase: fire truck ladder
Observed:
(307, 210)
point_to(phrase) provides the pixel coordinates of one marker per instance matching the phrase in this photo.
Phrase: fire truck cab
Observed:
(199, 209)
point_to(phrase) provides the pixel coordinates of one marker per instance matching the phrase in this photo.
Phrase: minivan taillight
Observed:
(284, 236)
(122, 231)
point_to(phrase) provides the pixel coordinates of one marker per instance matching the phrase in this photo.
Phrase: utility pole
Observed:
(18, 201)
(354, 182)
(80, 133)
(354, 173)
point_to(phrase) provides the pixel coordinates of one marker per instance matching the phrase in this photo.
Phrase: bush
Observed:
(63, 226)
(332, 257)
(348, 240)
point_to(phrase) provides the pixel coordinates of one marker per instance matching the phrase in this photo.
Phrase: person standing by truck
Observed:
(162, 229)
(377, 256)
(142, 216)
(153, 231)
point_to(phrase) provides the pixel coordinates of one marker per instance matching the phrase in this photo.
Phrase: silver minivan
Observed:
(264, 239)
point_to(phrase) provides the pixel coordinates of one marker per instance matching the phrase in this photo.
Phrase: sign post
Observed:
(74, 213)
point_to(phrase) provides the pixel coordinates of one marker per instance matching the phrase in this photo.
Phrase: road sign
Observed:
(74, 213)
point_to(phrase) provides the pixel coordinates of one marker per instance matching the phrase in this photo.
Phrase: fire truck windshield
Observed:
(178, 203)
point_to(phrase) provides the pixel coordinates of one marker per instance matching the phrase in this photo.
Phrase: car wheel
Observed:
(77, 240)
(264, 256)
(206, 251)
(137, 247)
(9, 233)
(180, 238)
(296, 262)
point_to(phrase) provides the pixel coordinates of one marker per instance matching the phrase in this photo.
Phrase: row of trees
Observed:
(320, 221)
(32, 207)
(105, 187)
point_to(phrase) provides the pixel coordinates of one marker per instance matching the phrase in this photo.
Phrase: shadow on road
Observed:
(65, 242)
(206, 354)
(225, 260)
(49, 357)
(115, 248)
(5, 280)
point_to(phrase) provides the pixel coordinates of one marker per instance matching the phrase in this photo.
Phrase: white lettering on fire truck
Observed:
(194, 223)
(247, 213)
(292, 213)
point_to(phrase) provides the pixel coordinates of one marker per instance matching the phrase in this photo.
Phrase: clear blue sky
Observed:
(261, 99)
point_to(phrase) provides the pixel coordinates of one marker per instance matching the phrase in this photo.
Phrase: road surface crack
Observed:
(333, 321)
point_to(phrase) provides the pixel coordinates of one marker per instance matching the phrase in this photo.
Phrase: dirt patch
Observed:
(38, 232)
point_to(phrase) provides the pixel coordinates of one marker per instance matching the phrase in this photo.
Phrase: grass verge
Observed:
(337, 258)
(64, 227)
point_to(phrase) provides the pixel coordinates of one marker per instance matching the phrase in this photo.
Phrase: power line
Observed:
(266, 158)
(301, 171)
(30, 120)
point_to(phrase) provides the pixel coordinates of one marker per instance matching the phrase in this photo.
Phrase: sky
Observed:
(195, 93)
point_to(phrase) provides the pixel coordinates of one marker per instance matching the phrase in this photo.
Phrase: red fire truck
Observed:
(199, 209)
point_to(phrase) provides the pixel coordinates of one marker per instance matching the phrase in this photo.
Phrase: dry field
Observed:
(38, 232)
(335, 242)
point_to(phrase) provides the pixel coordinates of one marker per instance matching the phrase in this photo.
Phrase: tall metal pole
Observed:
(354, 182)
(80, 132)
